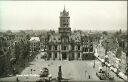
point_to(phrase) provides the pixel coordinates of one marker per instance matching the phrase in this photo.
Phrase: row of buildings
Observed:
(61, 45)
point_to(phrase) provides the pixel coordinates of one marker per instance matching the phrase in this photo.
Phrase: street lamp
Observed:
(94, 61)
(94, 64)
(59, 74)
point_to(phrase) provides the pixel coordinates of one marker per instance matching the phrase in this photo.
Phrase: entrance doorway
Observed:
(71, 56)
(64, 56)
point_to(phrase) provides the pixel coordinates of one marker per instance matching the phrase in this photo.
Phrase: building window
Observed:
(72, 47)
(85, 49)
(55, 47)
(63, 47)
(55, 55)
(58, 38)
(78, 55)
(78, 47)
(50, 55)
(50, 48)
(91, 49)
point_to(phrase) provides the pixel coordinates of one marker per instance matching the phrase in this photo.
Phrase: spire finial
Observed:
(64, 7)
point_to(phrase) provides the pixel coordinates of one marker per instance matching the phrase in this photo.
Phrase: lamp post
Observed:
(94, 60)
(59, 74)
(94, 64)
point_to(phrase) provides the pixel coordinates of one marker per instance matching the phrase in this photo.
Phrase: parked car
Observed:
(102, 75)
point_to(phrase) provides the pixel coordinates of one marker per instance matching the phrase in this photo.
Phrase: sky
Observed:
(44, 15)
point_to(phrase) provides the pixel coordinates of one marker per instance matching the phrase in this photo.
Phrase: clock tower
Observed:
(64, 29)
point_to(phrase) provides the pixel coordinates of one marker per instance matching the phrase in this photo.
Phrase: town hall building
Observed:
(68, 45)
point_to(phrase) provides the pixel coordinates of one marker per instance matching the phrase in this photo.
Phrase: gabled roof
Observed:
(34, 39)
(54, 38)
(76, 37)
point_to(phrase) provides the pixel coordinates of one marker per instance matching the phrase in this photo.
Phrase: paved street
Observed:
(73, 70)
(101, 53)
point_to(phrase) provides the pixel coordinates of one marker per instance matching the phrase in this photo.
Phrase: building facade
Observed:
(68, 45)
(34, 44)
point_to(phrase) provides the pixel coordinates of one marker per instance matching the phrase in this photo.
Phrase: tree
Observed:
(28, 37)
(105, 33)
(17, 50)
(8, 32)
(118, 53)
(110, 44)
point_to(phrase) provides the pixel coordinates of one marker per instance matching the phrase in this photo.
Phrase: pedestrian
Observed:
(89, 76)
(31, 71)
(85, 72)
(17, 80)
(50, 76)
(14, 71)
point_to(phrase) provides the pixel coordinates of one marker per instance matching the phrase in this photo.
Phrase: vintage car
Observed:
(44, 72)
(102, 75)
(44, 75)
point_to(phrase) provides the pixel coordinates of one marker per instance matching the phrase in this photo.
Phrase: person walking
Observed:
(85, 72)
(17, 80)
(31, 71)
(89, 76)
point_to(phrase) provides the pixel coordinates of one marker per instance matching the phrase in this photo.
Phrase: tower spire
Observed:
(64, 7)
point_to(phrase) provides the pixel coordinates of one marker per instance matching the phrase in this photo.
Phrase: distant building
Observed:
(67, 45)
(42, 42)
(34, 44)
